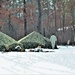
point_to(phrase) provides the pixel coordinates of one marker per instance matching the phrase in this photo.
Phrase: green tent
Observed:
(5, 39)
(34, 39)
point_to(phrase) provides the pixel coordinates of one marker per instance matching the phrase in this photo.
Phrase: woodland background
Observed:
(20, 17)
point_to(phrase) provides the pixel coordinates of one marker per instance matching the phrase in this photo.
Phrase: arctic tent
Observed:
(34, 39)
(5, 40)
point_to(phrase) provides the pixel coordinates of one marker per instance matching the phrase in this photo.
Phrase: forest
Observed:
(18, 18)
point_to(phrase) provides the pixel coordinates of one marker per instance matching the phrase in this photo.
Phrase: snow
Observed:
(57, 62)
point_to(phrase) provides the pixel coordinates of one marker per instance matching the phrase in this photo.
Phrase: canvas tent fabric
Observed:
(5, 39)
(36, 39)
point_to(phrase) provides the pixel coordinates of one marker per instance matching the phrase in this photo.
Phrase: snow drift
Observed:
(59, 62)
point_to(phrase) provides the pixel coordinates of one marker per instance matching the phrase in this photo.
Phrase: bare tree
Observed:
(25, 21)
(39, 16)
(63, 15)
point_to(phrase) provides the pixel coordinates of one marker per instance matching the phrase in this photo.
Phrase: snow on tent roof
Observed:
(5, 39)
(35, 37)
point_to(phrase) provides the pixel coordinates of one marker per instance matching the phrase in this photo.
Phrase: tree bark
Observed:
(63, 20)
(25, 21)
(39, 17)
(55, 19)
(9, 23)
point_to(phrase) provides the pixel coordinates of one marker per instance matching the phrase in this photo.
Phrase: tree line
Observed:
(20, 17)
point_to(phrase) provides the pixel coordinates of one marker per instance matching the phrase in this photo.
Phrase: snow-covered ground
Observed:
(57, 62)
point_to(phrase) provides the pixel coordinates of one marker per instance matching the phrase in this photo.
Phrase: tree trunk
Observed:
(44, 32)
(25, 21)
(39, 17)
(73, 21)
(63, 20)
(9, 23)
(55, 17)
